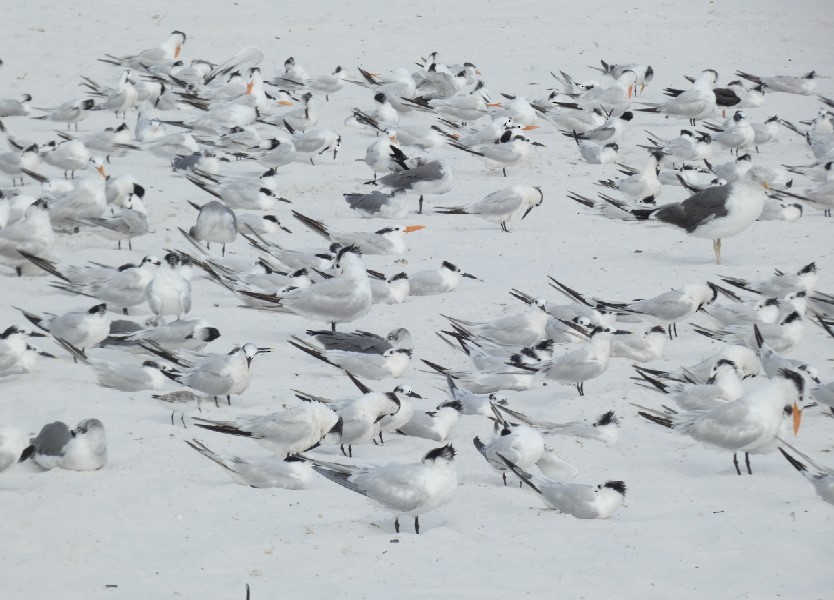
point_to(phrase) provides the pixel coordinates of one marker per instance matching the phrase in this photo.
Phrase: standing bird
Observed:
(715, 213)
(749, 424)
(215, 223)
(81, 449)
(431, 177)
(509, 204)
(698, 102)
(403, 489)
(223, 375)
(169, 292)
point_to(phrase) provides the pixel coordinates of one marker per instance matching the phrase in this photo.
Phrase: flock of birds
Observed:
(212, 123)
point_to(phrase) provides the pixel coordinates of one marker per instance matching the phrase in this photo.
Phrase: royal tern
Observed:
(388, 240)
(748, 424)
(291, 473)
(81, 449)
(575, 499)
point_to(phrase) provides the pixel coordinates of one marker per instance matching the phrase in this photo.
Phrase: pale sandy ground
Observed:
(161, 522)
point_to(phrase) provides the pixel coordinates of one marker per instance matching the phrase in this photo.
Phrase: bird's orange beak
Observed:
(529, 127)
(477, 71)
(766, 185)
(392, 138)
(498, 104)
(412, 228)
(630, 89)
(249, 87)
(797, 418)
(101, 171)
(177, 51)
(285, 103)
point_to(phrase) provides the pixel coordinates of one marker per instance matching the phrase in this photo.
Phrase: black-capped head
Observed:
(88, 104)
(607, 419)
(617, 486)
(138, 190)
(122, 127)
(613, 146)
(725, 361)
(151, 363)
(627, 115)
(745, 157)
(398, 277)
(172, 259)
(738, 116)
(544, 345)
(209, 334)
(792, 318)
(9, 331)
(455, 404)
(797, 379)
(657, 329)
(445, 453)
(98, 309)
(380, 97)
(705, 138)
(446, 264)
(649, 74)
(809, 268)
(337, 428)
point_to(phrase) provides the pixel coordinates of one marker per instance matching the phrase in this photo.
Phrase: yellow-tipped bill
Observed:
(412, 228)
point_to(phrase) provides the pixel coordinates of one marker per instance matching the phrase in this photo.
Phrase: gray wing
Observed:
(370, 203)
(341, 478)
(357, 341)
(696, 210)
(405, 179)
(52, 439)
